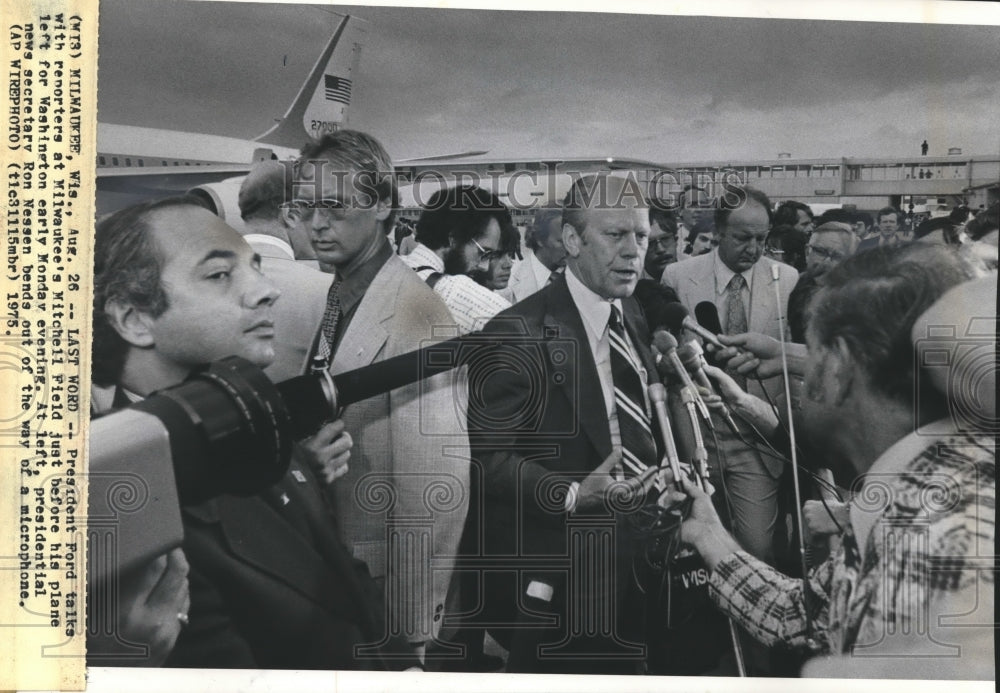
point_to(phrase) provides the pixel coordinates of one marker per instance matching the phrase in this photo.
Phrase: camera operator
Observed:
(909, 557)
(271, 584)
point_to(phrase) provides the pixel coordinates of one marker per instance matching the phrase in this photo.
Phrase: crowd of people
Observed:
(534, 509)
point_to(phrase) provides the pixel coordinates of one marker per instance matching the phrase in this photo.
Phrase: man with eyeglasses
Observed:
(830, 244)
(460, 232)
(662, 249)
(410, 443)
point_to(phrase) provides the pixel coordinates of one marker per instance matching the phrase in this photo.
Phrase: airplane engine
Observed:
(222, 198)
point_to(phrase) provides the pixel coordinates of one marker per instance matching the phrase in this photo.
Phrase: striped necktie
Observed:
(638, 446)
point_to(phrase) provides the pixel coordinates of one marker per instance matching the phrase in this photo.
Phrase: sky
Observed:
(562, 84)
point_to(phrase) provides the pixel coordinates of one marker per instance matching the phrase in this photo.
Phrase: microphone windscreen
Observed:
(707, 316)
(688, 355)
(673, 315)
(663, 341)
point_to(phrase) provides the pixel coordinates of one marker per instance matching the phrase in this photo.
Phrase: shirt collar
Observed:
(723, 275)
(352, 288)
(425, 257)
(264, 239)
(542, 273)
(891, 463)
(594, 309)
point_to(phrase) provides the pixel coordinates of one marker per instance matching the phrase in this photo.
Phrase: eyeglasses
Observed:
(663, 242)
(824, 253)
(487, 255)
(334, 209)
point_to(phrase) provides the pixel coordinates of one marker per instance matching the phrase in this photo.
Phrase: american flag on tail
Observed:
(337, 89)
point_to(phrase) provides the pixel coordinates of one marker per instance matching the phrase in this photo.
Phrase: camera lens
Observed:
(230, 431)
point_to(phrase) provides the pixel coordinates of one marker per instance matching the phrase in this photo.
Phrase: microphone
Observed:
(658, 397)
(664, 343)
(708, 317)
(693, 358)
(677, 318)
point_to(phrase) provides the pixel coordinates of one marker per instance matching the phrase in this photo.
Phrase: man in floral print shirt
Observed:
(911, 587)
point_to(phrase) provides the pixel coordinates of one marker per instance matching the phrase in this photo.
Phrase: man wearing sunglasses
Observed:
(409, 443)
(459, 233)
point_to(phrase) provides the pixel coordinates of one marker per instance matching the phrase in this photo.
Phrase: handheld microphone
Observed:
(658, 397)
(677, 318)
(664, 343)
(693, 358)
(700, 458)
(708, 317)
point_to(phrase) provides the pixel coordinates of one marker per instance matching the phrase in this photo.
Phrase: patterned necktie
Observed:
(331, 319)
(638, 446)
(736, 316)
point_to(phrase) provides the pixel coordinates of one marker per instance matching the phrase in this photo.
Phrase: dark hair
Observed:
(839, 214)
(663, 217)
(866, 219)
(948, 229)
(539, 230)
(871, 301)
(986, 221)
(127, 267)
(460, 214)
(885, 211)
(703, 225)
(510, 240)
(791, 242)
(798, 301)
(353, 149)
(749, 194)
(788, 212)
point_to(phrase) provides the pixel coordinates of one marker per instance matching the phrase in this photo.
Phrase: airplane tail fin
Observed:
(322, 102)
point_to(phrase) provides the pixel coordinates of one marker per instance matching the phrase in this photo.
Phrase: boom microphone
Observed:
(678, 318)
(374, 379)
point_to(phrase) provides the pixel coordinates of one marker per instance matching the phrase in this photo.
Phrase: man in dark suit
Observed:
(271, 584)
(559, 423)
(888, 230)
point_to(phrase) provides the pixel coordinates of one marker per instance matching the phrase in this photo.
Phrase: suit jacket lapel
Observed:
(701, 282)
(575, 379)
(762, 306)
(367, 333)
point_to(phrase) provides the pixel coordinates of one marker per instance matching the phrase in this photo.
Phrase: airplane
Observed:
(135, 164)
